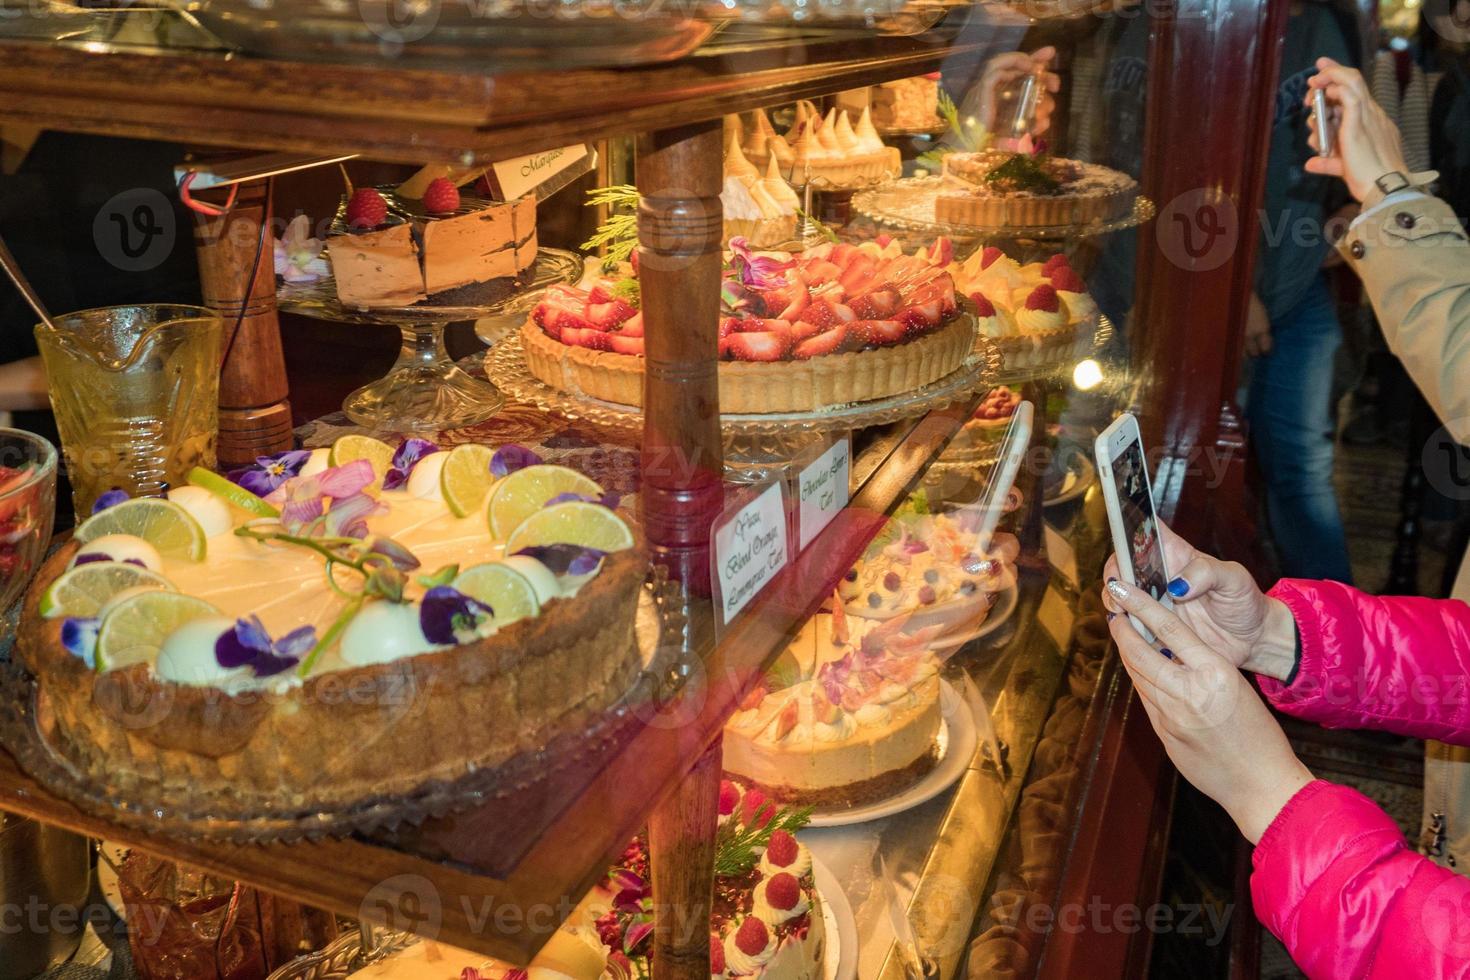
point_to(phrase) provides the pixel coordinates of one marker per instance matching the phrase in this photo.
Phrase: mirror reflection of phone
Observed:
(1129, 497)
(1012, 452)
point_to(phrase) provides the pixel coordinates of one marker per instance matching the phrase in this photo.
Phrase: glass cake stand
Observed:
(909, 204)
(424, 390)
(756, 447)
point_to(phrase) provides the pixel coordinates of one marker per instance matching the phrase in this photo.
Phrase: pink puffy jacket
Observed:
(1334, 878)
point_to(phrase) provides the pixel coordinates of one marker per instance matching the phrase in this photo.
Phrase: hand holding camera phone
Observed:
(1129, 498)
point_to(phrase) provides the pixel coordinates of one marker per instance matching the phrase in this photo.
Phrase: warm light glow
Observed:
(1087, 375)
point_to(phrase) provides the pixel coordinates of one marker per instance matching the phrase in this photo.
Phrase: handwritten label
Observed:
(822, 486)
(750, 548)
(518, 176)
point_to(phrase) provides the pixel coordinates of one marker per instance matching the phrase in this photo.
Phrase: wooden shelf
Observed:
(502, 878)
(417, 116)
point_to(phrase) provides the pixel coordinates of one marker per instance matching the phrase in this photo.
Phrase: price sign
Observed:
(822, 490)
(750, 547)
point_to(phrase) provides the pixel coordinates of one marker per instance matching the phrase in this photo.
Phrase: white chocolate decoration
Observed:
(212, 513)
(423, 482)
(188, 657)
(382, 633)
(316, 462)
(543, 583)
(123, 547)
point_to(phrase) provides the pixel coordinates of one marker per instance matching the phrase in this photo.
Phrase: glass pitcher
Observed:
(135, 390)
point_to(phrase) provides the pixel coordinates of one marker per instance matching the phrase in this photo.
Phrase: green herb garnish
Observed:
(1024, 172)
(629, 290)
(967, 138)
(618, 235)
(735, 854)
(816, 223)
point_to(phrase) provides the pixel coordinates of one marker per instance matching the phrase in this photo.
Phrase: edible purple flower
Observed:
(609, 500)
(303, 499)
(407, 456)
(111, 498)
(249, 645)
(348, 517)
(511, 457)
(96, 556)
(565, 559)
(447, 615)
(759, 271)
(637, 933)
(913, 546)
(396, 554)
(79, 637)
(267, 473)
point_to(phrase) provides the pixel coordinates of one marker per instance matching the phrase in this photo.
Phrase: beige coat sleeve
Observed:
(1414, 259)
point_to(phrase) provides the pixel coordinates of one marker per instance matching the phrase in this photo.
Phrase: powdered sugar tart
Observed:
(335, 641)
(834, 325)
(995, 188)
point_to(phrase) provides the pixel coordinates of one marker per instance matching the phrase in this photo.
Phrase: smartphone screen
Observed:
(1140, 524)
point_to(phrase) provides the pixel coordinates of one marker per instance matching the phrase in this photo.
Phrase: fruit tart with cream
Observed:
(323, 628)
(1038, 314)
(833, 325)
(848, 714)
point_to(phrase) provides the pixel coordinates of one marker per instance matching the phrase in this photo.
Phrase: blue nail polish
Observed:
(1179, 588)
(1111, 616)
(1167, 652)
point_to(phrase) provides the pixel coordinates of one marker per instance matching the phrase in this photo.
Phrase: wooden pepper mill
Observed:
(254, 413)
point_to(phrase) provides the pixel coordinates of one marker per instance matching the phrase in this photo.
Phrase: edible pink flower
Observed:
(758, 271)
(304, 499)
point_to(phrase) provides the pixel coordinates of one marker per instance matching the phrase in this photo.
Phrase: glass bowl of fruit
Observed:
(27, 508)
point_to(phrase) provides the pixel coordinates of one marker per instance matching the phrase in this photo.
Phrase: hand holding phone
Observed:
(1326, 142)
(1132, 516)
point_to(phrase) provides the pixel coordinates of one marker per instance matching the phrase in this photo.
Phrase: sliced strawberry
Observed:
(877, 304)
(820, 271)
(564, 319)
(795, 298)
(541, 314)
(605, 316)
(827, 342)
(881, 333)
(820, 313)
(769, 346)
(750, 324)
(858, 273)
(621, 344)
(587, 337)
(600, 294)
(802, 329)
(729, 325)
(842, 253)
(633, 326)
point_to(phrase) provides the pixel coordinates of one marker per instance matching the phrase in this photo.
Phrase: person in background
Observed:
(1413, 255)
(1292, 329)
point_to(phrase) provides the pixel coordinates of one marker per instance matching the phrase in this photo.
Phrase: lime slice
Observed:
(574, 522)
(162, 523)
(134, 629)
(466, 479)
(349, 449)
(83, 590)
(230, 492)
(502, 588)
(526, 491)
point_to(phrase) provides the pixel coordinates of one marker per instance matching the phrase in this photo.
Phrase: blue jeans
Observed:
(1292, 432)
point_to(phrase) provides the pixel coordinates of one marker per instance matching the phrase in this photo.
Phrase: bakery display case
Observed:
(730, 608)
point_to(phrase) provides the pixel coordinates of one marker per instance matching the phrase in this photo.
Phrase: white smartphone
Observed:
(1323, 123)
(1129, 497)
(1012, 452)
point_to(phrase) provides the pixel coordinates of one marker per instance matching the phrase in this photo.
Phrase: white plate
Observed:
(1005, 607)
(957, 742)
(840, 956)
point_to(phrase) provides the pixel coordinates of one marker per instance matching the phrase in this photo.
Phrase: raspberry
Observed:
(752, 937)
(988, 257)
(783, 891)
(1067, 281)
(754, 810)
(716, 954)
(782, 849)
(1043, 298)
(729, 797)
(442, 197)
(983, 306)
(1051, 265)
(367, 209)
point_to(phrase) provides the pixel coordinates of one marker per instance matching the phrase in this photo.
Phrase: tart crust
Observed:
(347, 736)
(762, 388)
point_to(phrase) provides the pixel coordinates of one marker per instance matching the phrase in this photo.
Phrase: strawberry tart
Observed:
(1038, 314)
(767, 919)
(849, 714)
(834, 325)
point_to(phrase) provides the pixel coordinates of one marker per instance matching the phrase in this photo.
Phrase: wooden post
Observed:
(254, 414)
(681, 851)
(679, 233)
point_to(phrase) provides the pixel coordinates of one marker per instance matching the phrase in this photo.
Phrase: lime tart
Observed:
(834, 325)
(328, 627)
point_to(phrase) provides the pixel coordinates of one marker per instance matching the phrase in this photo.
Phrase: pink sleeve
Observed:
(1398, 663)
(1335, 881)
